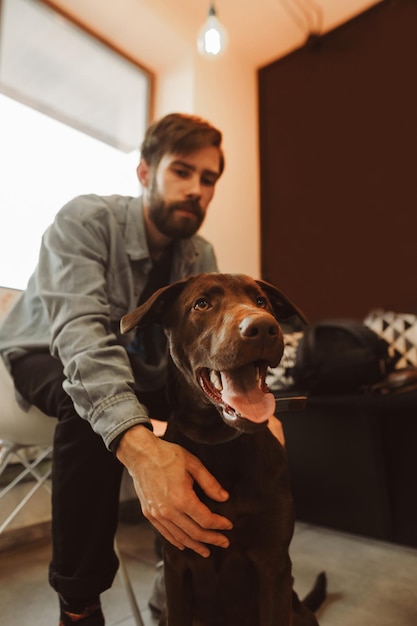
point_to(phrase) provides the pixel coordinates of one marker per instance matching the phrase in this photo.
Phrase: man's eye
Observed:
(201, 304)
(261, 302)
(182, 173)
(208, 182)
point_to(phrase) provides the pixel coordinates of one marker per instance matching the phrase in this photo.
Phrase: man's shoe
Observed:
(82, 612)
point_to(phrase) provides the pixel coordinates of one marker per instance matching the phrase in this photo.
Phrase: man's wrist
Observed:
(114, 446)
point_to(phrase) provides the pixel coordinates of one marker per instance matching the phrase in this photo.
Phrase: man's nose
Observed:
(194, 188)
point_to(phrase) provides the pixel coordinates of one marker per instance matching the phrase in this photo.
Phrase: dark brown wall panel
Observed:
(338, 145)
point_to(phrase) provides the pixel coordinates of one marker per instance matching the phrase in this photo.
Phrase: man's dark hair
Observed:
(179, 133)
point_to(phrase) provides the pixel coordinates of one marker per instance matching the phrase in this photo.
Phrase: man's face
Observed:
(178, 192)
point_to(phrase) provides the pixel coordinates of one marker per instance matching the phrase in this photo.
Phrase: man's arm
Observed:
(79, 257)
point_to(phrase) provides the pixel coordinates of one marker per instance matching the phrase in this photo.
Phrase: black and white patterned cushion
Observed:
(400, 331)
(280, 377)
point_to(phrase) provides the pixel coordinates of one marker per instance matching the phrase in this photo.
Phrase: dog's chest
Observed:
(252, 468)
(227, 587)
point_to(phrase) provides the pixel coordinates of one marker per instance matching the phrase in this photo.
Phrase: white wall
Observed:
(225, 92)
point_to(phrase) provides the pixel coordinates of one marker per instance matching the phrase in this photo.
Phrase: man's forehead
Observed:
(207, 159)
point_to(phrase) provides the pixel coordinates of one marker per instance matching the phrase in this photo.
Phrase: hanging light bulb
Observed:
(212, 37)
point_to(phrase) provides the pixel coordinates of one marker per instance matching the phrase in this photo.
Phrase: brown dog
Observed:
(223, 332)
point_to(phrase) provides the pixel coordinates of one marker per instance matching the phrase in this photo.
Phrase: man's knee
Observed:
(38, 377)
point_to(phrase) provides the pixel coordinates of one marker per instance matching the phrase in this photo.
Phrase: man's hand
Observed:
(163, 474)
(275, 426)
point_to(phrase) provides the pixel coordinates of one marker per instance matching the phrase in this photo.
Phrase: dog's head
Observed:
(223, 333)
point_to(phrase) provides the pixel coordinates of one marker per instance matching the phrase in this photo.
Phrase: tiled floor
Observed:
(370, 582)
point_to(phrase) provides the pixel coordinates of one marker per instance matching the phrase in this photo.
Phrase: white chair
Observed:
(21, 430)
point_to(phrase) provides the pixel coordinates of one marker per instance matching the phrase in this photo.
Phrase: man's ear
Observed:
(143, 171)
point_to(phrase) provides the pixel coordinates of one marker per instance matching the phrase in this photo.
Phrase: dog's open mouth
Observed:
(242, 393)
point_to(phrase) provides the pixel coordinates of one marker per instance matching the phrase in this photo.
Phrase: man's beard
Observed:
(172, 225)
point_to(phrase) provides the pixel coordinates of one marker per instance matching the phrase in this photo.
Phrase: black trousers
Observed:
(86, 480)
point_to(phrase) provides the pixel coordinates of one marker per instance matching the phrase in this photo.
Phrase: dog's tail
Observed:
(315, 598)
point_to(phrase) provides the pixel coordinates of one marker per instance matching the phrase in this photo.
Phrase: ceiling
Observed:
(260, 31)
(151, 31)
(263, 30)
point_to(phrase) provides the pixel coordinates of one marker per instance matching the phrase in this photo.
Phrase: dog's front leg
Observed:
(275, 602)
(178, 590)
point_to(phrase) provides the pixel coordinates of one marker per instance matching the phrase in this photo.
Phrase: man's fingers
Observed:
(275, 426)
(211, 487)
(171, 534)
(182, 531)
(204, 519)
(202, 524)
(166, 534)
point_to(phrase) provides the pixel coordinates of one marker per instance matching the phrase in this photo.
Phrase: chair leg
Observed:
(128, 588)
(30, 468)
(7, 450)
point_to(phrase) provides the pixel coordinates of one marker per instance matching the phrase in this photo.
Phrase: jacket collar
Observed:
(135, 235)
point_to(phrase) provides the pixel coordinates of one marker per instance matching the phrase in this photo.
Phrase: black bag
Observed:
(340, 356)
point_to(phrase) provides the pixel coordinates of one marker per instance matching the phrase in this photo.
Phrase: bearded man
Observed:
(61, 342)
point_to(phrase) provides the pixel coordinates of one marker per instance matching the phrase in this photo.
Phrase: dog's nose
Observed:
(258, 327)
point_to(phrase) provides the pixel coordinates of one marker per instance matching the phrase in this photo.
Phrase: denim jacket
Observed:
(93, 266)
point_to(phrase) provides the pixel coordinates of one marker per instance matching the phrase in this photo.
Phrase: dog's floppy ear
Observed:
(154, 309)
(284, 310)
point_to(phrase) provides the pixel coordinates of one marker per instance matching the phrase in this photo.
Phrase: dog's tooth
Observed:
(216, 380)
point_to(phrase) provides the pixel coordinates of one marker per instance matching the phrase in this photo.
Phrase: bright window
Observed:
(60, 137)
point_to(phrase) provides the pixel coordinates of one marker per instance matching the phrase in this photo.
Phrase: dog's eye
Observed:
(261, 302)
(201, 304)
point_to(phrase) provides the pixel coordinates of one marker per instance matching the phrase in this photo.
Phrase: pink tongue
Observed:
(242, 393)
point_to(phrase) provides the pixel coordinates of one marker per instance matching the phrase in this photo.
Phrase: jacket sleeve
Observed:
(73, 273)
